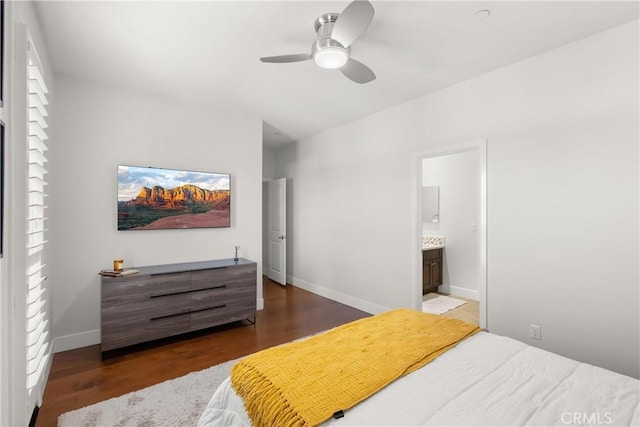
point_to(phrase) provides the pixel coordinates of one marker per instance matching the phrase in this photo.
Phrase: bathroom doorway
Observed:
(451, 220)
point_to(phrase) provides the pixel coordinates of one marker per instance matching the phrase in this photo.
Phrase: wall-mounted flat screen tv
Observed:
(155, 199)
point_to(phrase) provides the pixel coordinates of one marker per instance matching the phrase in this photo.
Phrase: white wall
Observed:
(268, 163)
(99, 128)
(458, 178)
(562, 131)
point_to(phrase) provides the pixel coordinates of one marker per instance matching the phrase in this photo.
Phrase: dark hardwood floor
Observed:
(80, 377)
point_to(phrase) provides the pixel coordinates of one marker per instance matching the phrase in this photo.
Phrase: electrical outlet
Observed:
(535, 332)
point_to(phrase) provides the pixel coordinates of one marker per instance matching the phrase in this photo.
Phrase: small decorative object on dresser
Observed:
(166, 300)
(118, 264)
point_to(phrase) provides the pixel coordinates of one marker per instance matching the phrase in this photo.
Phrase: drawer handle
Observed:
(212, 268)
(187, 292)
(188, 312)
(168, 295)
(187, 271)
(209, 308)
(168, 315)
(211, 288)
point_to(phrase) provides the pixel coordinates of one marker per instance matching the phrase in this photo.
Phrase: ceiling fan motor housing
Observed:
(326, 52)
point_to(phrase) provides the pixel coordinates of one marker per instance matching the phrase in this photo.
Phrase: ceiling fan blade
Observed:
(358, 72)
(352, 22)
(287, 58)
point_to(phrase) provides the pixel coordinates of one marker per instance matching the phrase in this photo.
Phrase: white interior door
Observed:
(277, 224)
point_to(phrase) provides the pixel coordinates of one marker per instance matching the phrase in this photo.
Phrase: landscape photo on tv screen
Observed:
(155, 199)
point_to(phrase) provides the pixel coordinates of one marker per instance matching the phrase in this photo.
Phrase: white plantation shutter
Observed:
(38, 323)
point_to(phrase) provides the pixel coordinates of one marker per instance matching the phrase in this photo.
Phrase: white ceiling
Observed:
(206, 53)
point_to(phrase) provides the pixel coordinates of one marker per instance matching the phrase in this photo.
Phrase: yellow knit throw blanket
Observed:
(304, 383)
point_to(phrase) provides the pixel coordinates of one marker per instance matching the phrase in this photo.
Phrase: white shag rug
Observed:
(441, 304)
(177, 402)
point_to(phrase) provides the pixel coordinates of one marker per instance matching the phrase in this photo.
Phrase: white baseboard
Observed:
(456, 291)
(260, 304)
(82, 339)
(345, 299)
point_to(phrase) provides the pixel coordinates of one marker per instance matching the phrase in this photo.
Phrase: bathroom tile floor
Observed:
(468, 312)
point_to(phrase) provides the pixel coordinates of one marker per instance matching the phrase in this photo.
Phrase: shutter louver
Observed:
(38, 326)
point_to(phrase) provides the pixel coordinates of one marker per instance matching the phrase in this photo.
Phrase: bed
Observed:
(485, 380)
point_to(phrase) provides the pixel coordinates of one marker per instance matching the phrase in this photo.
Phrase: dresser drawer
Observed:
(221, 296)
(128, 311)
(222, 314)
(242, 275)
(117, 335)
(141, 286)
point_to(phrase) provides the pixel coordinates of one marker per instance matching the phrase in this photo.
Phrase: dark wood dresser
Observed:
(167, 300)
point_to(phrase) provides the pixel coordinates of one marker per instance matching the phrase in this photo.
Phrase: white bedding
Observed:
(486, 380)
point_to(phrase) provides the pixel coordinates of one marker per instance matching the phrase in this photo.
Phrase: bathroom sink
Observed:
(432, 242)
(426, 247)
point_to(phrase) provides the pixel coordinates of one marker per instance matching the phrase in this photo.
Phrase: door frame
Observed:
(480, 146)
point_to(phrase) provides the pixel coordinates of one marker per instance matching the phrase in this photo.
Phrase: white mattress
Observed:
(487, 380)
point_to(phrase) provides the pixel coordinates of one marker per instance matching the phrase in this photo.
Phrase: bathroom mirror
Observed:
(431, 204)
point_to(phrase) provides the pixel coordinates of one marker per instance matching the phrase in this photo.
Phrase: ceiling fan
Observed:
(332, 48)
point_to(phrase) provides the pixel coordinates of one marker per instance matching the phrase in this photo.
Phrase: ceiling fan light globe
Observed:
(331, 57)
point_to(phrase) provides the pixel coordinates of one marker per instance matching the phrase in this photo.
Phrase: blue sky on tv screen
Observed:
(131, 179)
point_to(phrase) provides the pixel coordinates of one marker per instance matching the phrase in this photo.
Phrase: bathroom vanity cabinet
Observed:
(431, 270)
